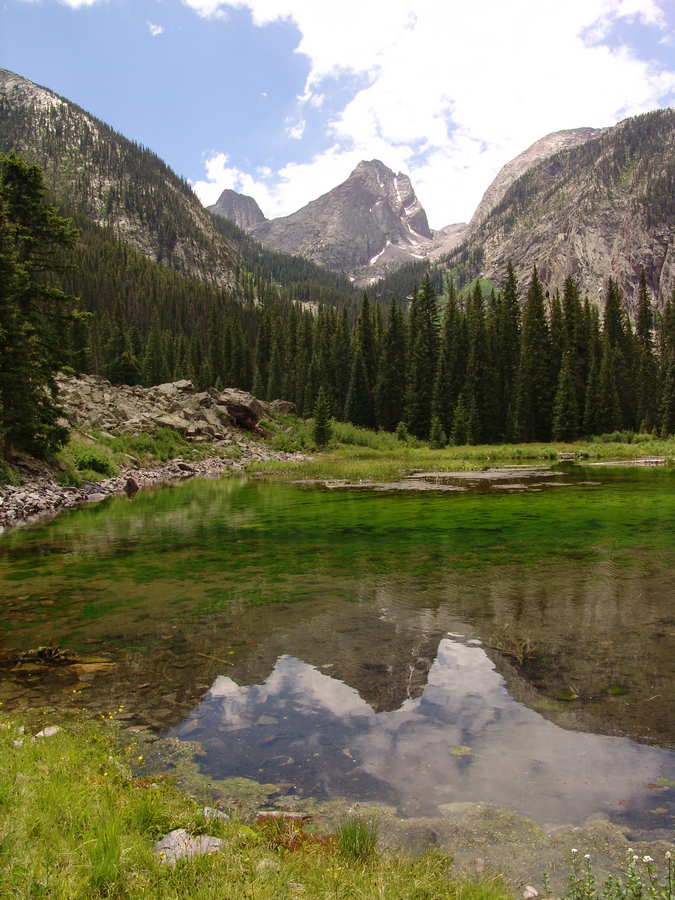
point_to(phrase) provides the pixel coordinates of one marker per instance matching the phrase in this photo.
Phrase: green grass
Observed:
(378, 456)
(79, 818)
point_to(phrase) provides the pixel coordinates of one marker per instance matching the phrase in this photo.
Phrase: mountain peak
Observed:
(238, 208)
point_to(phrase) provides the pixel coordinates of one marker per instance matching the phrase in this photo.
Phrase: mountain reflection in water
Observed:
(465, 739)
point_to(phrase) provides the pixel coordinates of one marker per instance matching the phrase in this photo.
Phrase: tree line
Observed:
(462, 369)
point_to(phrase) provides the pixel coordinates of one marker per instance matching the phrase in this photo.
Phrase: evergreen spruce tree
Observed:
(473, 432)
(359, 407)
(312, 387)
(478, 363)
(215, 345)
(437, 438)
(154, 368)
(565, 408)
(195, 361)
(365, 338)
(126, 370)
(460, 424)
(263, 353)
(180, 371)
(275, 385)
(292, 330)
(509, 343)
(646, 386)
(576, 338)
(391, 383)
(534, 394)
(80, 341)
(559, 343)
(321, 430)
(447, 386)
(591, 402)
(342, 361)
(608, 416)
(667, 411)
(424, 346)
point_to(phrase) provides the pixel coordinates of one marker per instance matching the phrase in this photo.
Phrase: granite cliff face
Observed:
(605, 207)
(238, 208)
(96, 171)
(366, 226)
(512, 171)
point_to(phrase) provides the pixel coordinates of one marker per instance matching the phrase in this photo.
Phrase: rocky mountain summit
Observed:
(365, 227)
(602, 207)
(238, 208)
(512, 171)
(96, 171)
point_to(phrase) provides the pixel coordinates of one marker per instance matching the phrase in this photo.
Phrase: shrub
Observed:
(94, 460)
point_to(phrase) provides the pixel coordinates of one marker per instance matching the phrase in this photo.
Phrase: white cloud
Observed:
(455, 91)
(155, 29)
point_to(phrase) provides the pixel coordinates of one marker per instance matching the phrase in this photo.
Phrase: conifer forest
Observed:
(444, 364)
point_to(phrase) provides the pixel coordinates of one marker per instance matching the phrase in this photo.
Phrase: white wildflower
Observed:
(574, 850)
(668, 854)
(587, 855)
(647, 859)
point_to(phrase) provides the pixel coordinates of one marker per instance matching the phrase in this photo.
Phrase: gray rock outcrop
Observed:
(370, 223)
(238, 208)
(90, 402)
(519, 165)
(596, 209)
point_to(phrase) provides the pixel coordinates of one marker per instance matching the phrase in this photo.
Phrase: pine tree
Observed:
(559, 343)
(275, 385)
(460, 425)
(365, 338)
(608, 416)
(358, 407)
(391, 383)
(342, 361)
(424, 345)
(646, 385)
(80, 341)
(478, 363)
(533, 395)
(33, 319)
(321, 430)
(576, 338)
(591, 402)
(667, 411)
(215, 345)
(509, 342)
(154, 367)
(437, 438)
(447, 386)
(565, 408)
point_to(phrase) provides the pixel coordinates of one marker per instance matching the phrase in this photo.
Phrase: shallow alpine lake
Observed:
(420, 649)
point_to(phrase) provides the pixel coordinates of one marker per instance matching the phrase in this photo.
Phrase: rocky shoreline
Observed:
(226, 421)
(41, 496)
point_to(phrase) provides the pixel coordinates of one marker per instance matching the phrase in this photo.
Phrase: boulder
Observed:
(285, 407)
(243, 408)
(179, 844)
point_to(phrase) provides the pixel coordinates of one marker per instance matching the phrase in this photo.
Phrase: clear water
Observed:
(340, 642)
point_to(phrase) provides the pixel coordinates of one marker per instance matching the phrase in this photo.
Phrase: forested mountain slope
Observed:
(118, 184)
(605, 208)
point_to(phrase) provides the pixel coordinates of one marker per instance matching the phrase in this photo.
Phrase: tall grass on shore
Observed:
(79, 818)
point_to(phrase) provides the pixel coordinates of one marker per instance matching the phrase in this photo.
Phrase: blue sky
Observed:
(281, 98)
